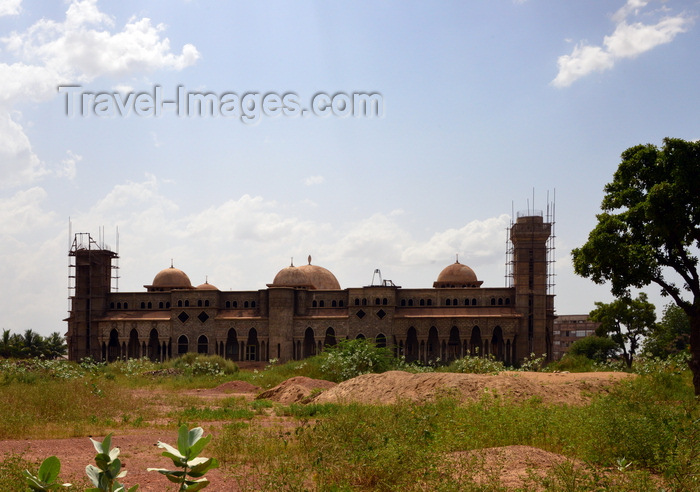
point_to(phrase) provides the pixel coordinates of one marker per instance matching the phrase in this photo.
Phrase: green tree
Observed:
(595, 348)
(55, 346)
(670, 335)
(625, 321)
(649, 230)
(32, 344)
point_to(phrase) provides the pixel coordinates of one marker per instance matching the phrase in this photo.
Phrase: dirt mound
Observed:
(510, 465)
(393, 386)
(295, 389)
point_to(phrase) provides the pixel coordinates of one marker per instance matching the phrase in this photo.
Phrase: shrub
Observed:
(204, 365)
(477, 365)
(351, 358)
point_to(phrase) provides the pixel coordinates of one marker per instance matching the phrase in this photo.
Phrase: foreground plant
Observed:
(104, 476)
(189, 445)
(45, 479)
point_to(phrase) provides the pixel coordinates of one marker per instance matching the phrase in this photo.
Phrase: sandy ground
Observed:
(511, 463)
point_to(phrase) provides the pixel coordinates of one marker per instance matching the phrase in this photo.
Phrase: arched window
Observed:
(126, 305)
(455, 302)
(430, 302)
(507, 300)
(167, 305)
(403, 302)
(179, 303)
(202, 345)
(377, 301)
(160, 305)
(199, 303)
(385, 301)
(500, 301)
(421, 302)
(357, 302)
(410, 302)
(111, 305)
(474, 302)
(364, 301)
(314, 304)
(334, 304)
(228, 304)
(252, 304)
(187, 303)
(321, 303)
(150, 305)
(235, 304)
(340, 303)
(182, 345)
(447, 302)
(493, 301)
(245, 304)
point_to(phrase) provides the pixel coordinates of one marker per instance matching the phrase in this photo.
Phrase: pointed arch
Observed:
(202, 345)
(231, 344)
(329, 341)
(133, 348)
(113, 349)
(497, 346)
(454, 345)
(475, 342)
(411, 350)
(253, 346)
(433, 349)
(153, 345)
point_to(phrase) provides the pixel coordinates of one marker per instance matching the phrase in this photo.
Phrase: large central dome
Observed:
(457, 275)
(169, 279)
(306, 277)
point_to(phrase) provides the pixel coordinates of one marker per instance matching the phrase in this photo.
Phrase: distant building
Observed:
(569, 328)
(304, 309)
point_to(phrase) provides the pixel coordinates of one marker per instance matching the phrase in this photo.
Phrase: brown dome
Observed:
(320, 277)
(290, 277)
(457, 275)
(206, 286)
(307, 277)
(170, 278)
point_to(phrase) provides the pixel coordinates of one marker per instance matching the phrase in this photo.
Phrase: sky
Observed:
(480, 109)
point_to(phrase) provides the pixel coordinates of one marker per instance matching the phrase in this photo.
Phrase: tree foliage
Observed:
(595, 348)
(625, 321)
(671, 335)
(31, 344)
(649, 230)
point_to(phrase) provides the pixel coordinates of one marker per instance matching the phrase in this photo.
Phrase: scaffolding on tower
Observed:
(549, 216)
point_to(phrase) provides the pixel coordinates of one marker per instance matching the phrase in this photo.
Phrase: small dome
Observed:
(206, 286)
(307, 277)
(170, 278)
(457, 275)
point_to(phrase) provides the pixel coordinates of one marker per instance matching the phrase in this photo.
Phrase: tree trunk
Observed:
(695, 351)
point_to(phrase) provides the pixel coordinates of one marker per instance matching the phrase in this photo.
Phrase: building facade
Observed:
(304, 310)
(569, 328)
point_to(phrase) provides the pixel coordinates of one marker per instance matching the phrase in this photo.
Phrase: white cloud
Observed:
(10, 7)
(19, 162)
(314, 180)
(22, 213)
(79, 49)
(68, 165)
(627, 41)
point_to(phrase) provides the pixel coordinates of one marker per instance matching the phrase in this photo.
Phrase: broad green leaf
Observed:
(49, 469)
(171, 450)
(200, 469)
(93, 474)
(198, 446)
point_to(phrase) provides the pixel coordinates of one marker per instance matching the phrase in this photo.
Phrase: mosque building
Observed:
(305, 309)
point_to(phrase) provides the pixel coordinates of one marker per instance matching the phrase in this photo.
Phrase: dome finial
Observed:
(309, 259)
(457, 258)
(292, 261)
(171, 263)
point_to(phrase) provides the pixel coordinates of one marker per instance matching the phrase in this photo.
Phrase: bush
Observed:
(204, 365)
(477, 365)
(595, 348)
(351, 358)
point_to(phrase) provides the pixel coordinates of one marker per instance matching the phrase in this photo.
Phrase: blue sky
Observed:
(483, 102)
